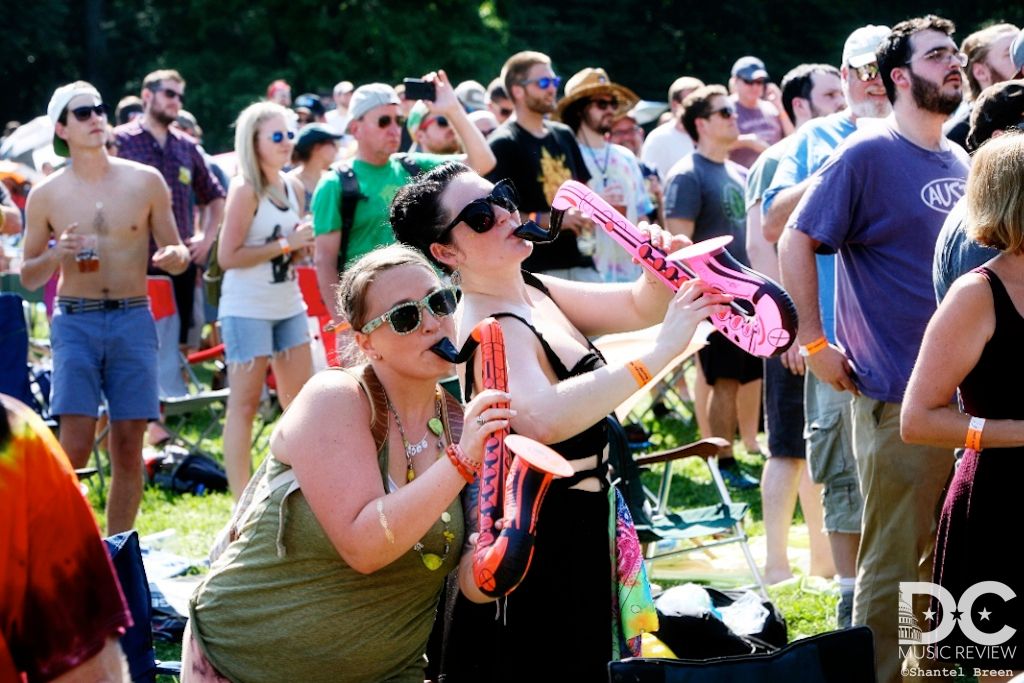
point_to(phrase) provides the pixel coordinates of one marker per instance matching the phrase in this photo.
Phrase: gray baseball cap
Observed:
(371, 96)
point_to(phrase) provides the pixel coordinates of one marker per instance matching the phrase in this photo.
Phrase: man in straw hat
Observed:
(591, 105)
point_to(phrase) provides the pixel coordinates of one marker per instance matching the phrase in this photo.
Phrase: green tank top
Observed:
(280, 604)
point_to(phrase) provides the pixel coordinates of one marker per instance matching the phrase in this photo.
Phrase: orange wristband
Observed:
(974, 433)
(813, 347)
(285, 247)
(640, 372)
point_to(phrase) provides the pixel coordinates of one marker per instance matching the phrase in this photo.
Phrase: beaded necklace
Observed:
(430, 560)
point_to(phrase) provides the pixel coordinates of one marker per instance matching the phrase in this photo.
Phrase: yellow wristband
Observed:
(3, 219)
(974, 433)
(813, 347)
(640, 372)
(285, 247)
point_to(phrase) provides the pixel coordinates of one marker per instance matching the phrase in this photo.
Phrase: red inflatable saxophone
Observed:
(761, 319)
(510, 488)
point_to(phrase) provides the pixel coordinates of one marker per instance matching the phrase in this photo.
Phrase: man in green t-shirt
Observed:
(376, 125)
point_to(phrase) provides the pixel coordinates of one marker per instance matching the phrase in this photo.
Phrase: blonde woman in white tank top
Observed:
(261, 311)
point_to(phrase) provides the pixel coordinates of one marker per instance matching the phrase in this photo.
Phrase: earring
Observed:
(456, 277)
(376, 356)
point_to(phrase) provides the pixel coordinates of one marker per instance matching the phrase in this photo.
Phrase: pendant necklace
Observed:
(434, 426)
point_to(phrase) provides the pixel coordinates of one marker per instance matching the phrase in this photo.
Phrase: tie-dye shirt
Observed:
(59, 596)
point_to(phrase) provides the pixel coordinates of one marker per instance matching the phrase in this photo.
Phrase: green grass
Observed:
(807, 605)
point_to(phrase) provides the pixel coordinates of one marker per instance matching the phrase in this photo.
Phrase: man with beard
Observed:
(538, 155)
(827, 411)
(880, 201)
(591, 105)
(809, 91)
(154, 141)
(988, 62)
(431, 133)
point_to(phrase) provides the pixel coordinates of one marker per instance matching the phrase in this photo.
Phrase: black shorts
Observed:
(721, 359)
(783, 410)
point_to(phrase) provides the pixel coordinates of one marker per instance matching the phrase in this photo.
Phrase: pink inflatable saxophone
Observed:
(761, 319)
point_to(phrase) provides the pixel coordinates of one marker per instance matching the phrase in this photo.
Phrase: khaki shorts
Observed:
(828, 430)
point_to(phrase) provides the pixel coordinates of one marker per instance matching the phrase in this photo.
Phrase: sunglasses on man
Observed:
(544, 82)
(170, 94)
(724, 112)
(439, 120)
(868, 72)
(405, 318)
(479, 213)
(387, 119)
(83, 114)
(605, 105)
(755, 81)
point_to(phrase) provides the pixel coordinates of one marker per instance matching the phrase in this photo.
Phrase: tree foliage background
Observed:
(230, 50)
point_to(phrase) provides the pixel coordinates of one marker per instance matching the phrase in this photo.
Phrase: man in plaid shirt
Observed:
(153, 141)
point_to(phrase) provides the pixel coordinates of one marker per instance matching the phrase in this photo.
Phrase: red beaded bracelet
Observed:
(466, 467)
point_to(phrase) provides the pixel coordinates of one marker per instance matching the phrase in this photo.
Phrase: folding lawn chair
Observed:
(181, 394)
(846, 656)
(15, 371)
(137, 642)
(316, 308)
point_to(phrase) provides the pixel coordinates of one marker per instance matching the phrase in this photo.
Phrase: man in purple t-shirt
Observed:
(879, 202)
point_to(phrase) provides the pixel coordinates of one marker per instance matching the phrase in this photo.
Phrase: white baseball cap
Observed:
(861, 45)
(59, 102)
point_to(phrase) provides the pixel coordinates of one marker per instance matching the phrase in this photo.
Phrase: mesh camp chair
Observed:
(701, 528)
(845, 656)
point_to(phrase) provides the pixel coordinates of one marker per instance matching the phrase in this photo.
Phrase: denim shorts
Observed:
(246, 339)
(110, 354)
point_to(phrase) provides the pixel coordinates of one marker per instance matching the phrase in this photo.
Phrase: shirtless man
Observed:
(99, 212)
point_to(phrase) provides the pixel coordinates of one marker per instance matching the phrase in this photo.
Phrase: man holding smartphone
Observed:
(376, 124)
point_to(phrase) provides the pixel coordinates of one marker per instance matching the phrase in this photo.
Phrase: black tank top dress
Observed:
(557, 624)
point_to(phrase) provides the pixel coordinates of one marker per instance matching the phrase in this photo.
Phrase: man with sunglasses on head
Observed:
(591, 105)
(538, 155)
(101, 213)
(704, 199)
(880, 201)
(154, 140)
(376, 124)
(760, 121)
